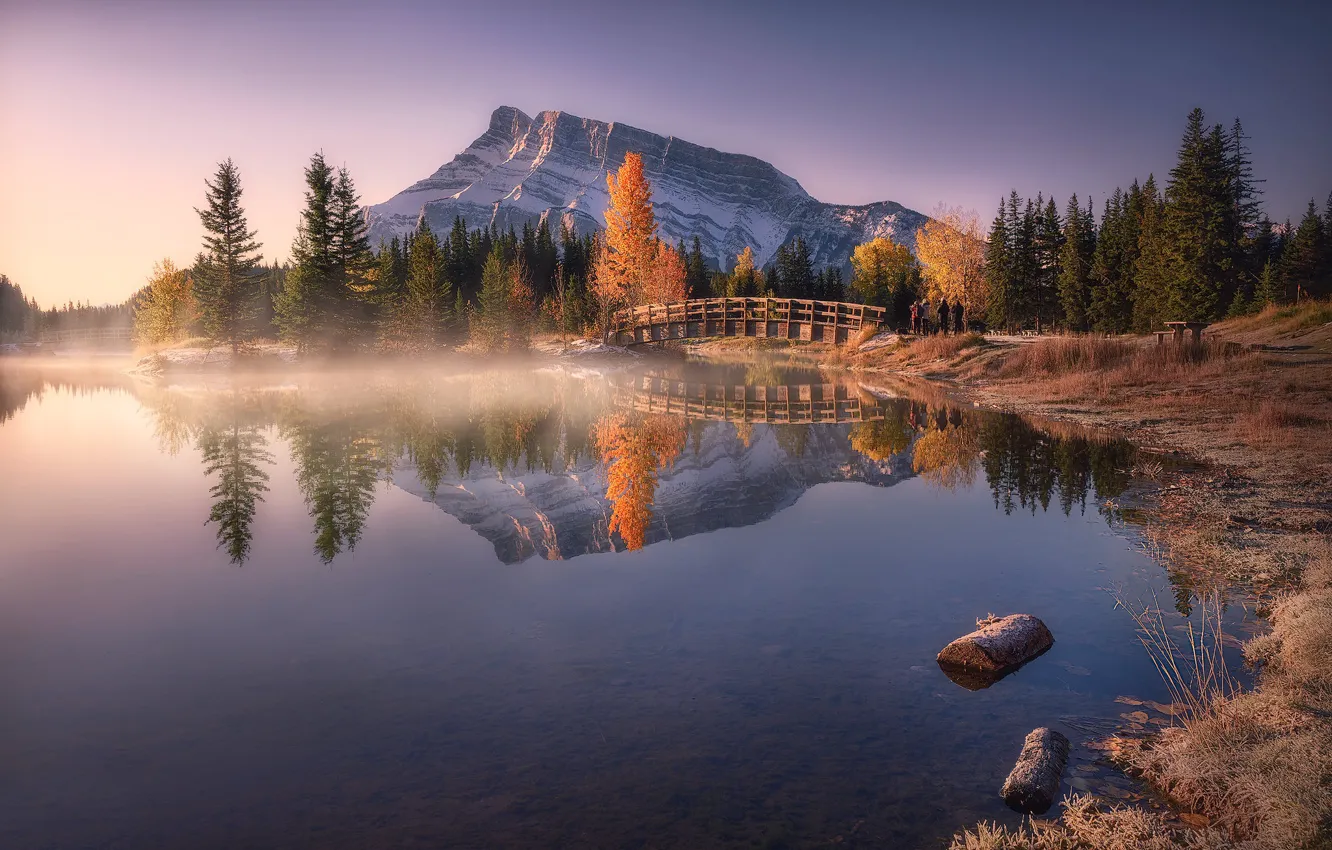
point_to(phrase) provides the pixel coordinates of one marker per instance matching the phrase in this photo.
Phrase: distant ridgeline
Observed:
(22, 318)
(528, 460)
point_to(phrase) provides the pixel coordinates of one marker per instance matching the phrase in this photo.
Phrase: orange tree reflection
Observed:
(634, 447)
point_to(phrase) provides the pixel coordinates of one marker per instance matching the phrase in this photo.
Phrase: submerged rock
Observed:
(999, 646)
(1034, 783)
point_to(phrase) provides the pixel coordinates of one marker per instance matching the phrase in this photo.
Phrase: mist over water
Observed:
(540, 607)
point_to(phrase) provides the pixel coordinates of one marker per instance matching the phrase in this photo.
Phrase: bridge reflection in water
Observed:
(790, 404)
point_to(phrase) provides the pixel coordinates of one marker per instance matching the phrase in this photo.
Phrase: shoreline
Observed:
(1252, 768)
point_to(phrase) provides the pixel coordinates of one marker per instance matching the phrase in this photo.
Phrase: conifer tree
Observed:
(1149, 272)
(1075, 266)
(314, 279)
(348, 305)
(1199, 226)
(224, 281)
(390, 274)
(797, 270)
(1269, 289)
(1000, 313)
(420, 319)
(698, 279)
(1049, 247)
(463, 270)
(492, 314)
(1304, 261)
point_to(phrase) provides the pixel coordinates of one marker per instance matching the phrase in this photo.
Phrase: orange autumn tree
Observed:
(632, 265)
(634, 447)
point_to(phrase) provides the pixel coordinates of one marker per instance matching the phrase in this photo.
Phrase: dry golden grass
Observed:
(1094, 367)
(1085, 825)
(1257, 763)
(1272, 422)
(1294, 317)
(940, 347)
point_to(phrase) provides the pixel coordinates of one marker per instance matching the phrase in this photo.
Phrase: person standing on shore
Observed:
(943, 316)
(959, 324)
(915, 317)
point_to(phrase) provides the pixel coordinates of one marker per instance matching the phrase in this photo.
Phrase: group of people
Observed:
(949, 316)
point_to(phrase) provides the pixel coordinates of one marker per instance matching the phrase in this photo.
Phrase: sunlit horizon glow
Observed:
(114, 113)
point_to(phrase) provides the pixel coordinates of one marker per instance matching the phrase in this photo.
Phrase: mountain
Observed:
(523, 169)
(724, 483)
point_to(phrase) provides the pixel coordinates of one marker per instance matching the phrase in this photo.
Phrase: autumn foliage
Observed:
(633, 266)
(951, 248)
(634, 447)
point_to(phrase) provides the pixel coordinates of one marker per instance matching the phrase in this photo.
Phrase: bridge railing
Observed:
(86, 335)
(838, 314)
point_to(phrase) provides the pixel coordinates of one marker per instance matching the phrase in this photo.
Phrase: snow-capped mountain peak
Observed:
(554, 166)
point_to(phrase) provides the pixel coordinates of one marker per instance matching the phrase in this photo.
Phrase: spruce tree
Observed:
(1075, 264)
(462, 262)
(1249, 258)
(1199, 226)
(1024, 263)
(1149, 272)
(225, 285)
(1049, 247)
(697, 278)
(347, 305)
(1269, 290)
(420, 319)
(997, 272)
(1304, 263)
(315, 276)
(492, 315)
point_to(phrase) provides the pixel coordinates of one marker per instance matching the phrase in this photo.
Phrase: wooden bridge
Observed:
(793, 404)
(86, 335)
(763, 318)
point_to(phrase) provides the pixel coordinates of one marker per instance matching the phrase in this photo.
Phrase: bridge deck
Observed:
(762, 318)
(793, 404)
(86, 335)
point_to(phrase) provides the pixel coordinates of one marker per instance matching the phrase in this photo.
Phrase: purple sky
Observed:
(112, 113)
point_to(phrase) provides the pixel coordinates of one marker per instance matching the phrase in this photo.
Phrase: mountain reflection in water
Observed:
(736, 683)
(556, 464)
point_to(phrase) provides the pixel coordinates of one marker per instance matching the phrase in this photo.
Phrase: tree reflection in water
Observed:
(634, 446)
(234, 452)
(342, 442)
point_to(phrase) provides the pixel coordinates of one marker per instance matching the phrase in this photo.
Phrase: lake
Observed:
(367, 610)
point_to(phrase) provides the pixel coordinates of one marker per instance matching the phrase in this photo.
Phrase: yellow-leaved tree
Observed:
(746, 280)
(881, 269)
(951, 250)
(632, 265)
(169, 311)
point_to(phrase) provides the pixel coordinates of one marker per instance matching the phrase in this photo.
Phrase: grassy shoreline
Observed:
(1251, 769)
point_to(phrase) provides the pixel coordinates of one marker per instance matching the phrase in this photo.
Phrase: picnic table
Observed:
(1177, 331)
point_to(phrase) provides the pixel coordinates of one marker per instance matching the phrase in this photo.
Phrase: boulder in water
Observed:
(1034, 783)
(999, 645)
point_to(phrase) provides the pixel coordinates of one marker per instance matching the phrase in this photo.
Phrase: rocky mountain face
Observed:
(521, 170)
(722, 484)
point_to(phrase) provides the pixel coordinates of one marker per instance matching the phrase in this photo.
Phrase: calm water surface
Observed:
(362, 611)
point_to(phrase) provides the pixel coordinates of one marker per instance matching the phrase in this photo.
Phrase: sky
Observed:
(113, 113)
